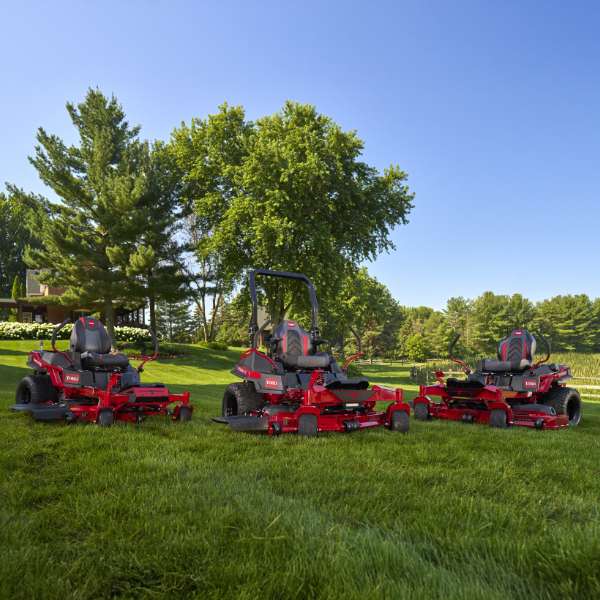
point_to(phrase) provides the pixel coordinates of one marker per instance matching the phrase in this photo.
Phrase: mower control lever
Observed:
(257, 334)
(53, 340)
(547, 351)
(452, 357)
(359, 347)
(155, 350)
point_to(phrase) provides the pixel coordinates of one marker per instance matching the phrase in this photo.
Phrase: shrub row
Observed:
(43, 331)
(212, 345)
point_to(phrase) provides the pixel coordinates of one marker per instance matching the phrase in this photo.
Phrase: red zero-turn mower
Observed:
(509, 391)
(298, 389)
(90, 384)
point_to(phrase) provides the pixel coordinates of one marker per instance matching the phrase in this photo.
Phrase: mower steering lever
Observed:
(452, 357)
(547, 352)
(53, 341)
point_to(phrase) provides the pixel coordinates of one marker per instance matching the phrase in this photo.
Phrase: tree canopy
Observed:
(288, 193)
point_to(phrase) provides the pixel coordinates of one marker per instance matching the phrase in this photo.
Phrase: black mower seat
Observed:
(94, 359)
(295, 348)
(318, 361)
(90, 339)
(498, 366)
(515, 354)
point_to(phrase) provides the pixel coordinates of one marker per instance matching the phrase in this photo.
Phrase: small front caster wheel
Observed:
(70, 418)
(106, 417)
(399, 421)
(169, 411)
(276, 428)
(184, 414)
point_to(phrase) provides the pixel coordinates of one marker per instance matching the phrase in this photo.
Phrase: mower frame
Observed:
(475, 405)
(337, 403)
(77, 400)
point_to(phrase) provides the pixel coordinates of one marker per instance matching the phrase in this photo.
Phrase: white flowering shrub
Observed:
(43, 331)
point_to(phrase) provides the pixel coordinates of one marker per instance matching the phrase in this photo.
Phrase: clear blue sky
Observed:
(492, 108)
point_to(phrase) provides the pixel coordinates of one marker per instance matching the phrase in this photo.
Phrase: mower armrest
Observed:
(319, 342)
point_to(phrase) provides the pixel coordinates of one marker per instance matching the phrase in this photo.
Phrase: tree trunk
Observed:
(152, 304)
(110, 322)
(214, 315)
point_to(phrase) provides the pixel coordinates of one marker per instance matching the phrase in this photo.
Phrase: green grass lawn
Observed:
(181, 510)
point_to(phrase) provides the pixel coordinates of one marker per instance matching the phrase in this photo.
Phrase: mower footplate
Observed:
(44, 411)
(244, 422)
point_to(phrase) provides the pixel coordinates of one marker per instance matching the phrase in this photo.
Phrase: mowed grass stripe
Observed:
(167, 509)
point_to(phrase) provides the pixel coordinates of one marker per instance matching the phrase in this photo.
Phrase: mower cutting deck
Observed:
(510, 391)
(87, 383)
(295, 388)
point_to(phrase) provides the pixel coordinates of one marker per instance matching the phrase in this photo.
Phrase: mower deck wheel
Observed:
(241, 398)
(399, 421)
(421, 411)
(565, 401)
(36, 389)
(70, 418)
(307, 425)
(498, 418)
(140, 418)
(184, 414)
(106, 417)
(169, 411)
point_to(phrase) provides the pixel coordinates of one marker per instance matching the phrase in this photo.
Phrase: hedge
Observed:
(43, 331)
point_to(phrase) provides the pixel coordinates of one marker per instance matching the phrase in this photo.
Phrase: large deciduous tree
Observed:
(289, 193)
(92, 238)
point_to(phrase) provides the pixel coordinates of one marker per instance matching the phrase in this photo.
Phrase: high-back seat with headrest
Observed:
(91, 340)
(295, 349)
(515, 354)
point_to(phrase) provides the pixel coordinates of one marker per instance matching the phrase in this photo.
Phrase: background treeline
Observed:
(177, 226)
(390, 330)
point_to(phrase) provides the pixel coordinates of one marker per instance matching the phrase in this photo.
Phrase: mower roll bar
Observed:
(253, 328)
(452, 357)
(53, 340)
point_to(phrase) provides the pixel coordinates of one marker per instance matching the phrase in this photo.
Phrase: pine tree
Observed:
(174, 322)
(92, 239)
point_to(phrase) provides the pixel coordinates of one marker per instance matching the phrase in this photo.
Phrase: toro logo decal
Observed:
(38, 362)
(271, 383)
(290, 324)
(69, 378)
(518, 332)
(530, 383)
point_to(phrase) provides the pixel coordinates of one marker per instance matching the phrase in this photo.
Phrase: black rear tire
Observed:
(399, 421)
(241, 398)
(421, 411)
(307, 425)
(565, 401)
(499, 418)
(184, 414)
(36, 389)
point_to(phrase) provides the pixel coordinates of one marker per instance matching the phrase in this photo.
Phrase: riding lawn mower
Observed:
(509, 391)
(296, 388)
(88, 383)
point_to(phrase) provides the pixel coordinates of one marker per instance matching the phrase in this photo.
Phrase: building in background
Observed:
(35, 310)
